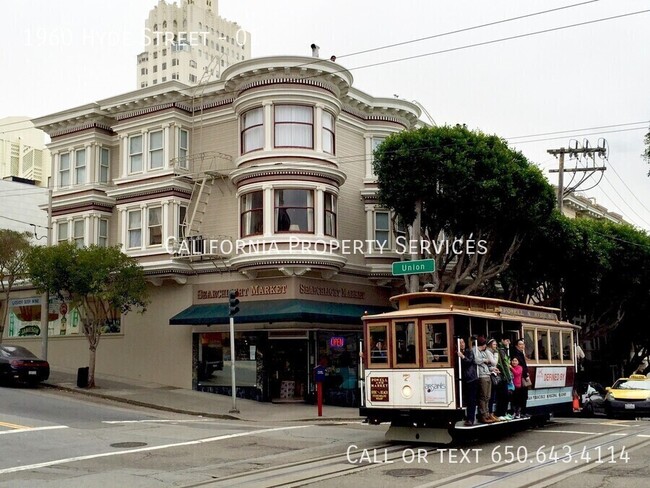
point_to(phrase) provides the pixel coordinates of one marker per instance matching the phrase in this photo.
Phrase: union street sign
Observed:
(414, 267)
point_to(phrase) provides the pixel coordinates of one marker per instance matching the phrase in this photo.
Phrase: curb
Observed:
(142, 404)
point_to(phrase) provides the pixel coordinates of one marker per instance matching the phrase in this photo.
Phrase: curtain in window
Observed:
(135, 229)
(252, 130)
(293, 126)
(155, 226)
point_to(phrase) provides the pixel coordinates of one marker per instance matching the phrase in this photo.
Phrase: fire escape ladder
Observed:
(198, 205)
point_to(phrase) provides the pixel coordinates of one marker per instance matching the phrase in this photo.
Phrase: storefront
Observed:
(282, 332)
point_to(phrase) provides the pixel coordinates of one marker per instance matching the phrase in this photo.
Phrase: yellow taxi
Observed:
(629, 397)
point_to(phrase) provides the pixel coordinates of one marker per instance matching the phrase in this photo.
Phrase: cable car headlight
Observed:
(407, 391)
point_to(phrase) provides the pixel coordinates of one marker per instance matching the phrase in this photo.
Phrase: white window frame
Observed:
(156, 152)
(327, 132)
(287, 121)
(79, 232)
(135, 155)
(387, 243)
(154, 230)
(183, 150)
(102, 233)
(64, 171)
(104, 165)
(252, 133)
(134, 229)
(62, 231)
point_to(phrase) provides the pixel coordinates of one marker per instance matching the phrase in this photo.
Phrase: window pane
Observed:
(378, 344)
(155, 226)
(135, 228)
(252, 218)
(252, 117)
(182, 212)
(103, 233)
(252, 139)
(293, 126)
(555, 345)
(64, 161)
(330, 214)
(542, 344)
(405, 342)
(135, 144)
(155, 140)
(62, 232)
(294, 211)
(80, 167)
(64, 169)
(567, 346)
(78, 229)
(104, 159)
(436, 343)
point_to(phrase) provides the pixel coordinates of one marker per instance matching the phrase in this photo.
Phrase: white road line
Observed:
(642, 435)
(618, 433)
(149, 421)
(566, 432)
(29, 467)
(33, 429)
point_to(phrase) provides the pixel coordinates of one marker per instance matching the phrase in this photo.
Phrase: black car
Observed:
(592, 397)
(19, 365)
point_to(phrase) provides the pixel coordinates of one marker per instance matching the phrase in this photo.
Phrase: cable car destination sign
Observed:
(414, 267)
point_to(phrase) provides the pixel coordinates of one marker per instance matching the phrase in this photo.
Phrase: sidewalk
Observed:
(192, 402)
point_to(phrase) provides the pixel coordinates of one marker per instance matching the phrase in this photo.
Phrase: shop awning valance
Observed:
(277, 311)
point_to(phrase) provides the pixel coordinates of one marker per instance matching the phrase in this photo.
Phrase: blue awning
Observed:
(277, 311)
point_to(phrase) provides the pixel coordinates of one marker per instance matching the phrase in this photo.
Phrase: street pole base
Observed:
(234, 410)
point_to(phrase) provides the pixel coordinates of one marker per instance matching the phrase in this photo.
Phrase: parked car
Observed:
(629, 397)
(19, 365)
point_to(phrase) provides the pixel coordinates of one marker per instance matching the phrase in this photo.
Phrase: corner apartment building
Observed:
(264, 184)
(190, 43)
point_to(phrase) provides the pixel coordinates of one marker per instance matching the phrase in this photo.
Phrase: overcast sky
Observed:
(58, 54)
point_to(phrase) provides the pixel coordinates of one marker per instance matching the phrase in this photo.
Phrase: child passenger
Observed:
(518, 398)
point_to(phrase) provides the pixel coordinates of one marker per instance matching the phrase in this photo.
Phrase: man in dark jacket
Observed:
(470, 380)
(502, 392)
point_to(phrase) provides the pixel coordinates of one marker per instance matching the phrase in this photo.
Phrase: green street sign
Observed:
(414, 267)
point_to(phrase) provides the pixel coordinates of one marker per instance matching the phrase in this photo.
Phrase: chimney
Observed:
(314, 50)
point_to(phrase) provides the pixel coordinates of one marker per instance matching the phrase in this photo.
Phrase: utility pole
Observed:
(45, 298)
(576, 152)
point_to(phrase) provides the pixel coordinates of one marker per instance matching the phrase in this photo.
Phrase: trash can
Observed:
(82, 377)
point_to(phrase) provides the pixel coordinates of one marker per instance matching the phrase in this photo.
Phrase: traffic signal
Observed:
(233, 301)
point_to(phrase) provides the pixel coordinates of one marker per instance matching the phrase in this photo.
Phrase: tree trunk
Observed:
(91, 366)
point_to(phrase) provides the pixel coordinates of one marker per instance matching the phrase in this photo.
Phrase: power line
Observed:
(577, 135)
(466, 29)
(22, 222)
(580, 130)
(502, 39)
(625, 202)
(628, 188)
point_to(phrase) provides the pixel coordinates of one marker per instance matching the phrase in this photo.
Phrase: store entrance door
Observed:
(288, 369)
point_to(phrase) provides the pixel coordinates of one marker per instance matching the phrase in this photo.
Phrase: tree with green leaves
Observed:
(102, 283)
(14, 247)
(646, 153)
(475, 199)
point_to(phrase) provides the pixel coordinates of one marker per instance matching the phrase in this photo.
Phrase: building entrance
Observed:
(288, 364)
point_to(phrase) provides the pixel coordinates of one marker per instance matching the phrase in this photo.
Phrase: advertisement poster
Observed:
(435, 388)
(24, 319)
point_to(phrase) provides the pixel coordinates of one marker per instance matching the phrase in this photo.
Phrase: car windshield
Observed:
(15, 352)
(626, 384)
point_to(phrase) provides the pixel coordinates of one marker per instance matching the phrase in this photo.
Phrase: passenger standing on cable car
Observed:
(520, 353)
(470, 380)
(485, 383)
(502, 391)
(493, 355)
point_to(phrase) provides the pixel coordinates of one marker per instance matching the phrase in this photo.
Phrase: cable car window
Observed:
(542, 345)
(567, 346)
(555, 345)
(378, 344)
(437, 344)
(405, 346)
(529, 339)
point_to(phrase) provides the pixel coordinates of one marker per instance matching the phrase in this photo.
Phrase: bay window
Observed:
(252, 213)
(156, 149)
(62, 232)
(80, 166)
(328, 132)
(102, 233)
(252, 134)
(104, 165)
(183, 145)
(78, 228)
(135, 154)
(64, 169)
(330, 214)
(154, 224)
(294, 211)
(294, 126)
(134, 228)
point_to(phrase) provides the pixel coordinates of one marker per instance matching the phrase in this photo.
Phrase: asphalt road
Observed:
(49, 438)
